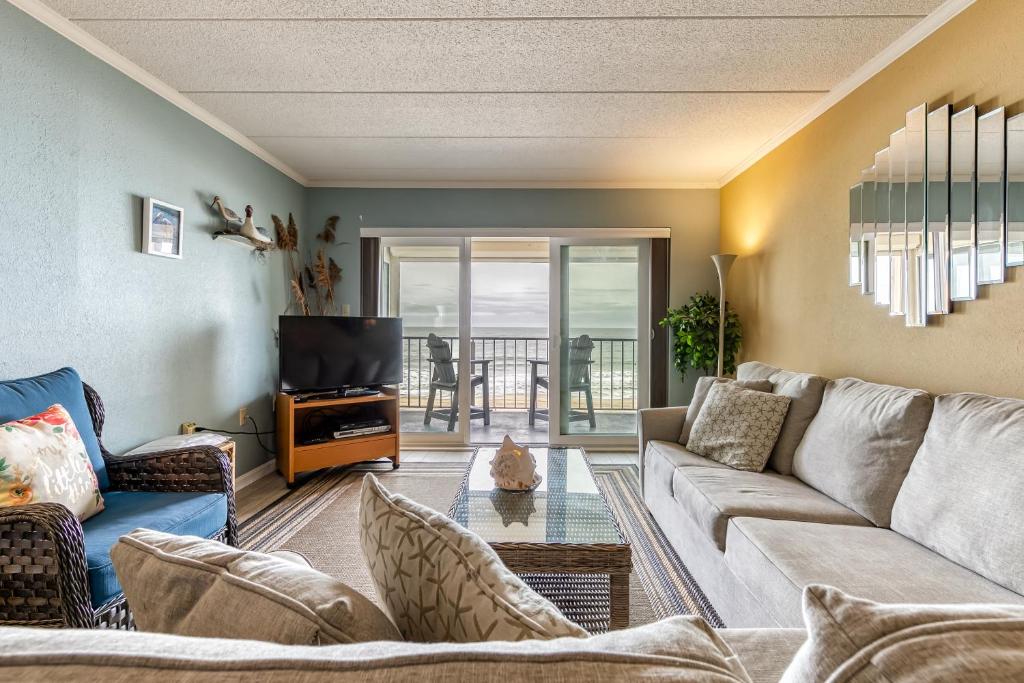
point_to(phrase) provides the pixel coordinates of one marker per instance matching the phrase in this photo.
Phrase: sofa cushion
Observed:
(190, 586)
(683, 649)
(711, 497)
(851, 639)
(23, 397)
(804, 391)
(764, 652)
(188, 514)
(860, 445)
(440, 582)
(663, 457)
(777, 559)
(964, 495)
(700, 395)
(738, 427)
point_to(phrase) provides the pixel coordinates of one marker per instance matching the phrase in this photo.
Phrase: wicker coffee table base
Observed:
(588, 583)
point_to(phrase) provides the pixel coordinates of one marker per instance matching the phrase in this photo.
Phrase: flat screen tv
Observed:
(325, 353)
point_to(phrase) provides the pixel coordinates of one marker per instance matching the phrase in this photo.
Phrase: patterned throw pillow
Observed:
(700, 394)
(43, 460)
(738, 427)
(443, 583)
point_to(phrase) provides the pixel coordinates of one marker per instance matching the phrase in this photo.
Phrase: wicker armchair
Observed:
(43, 572)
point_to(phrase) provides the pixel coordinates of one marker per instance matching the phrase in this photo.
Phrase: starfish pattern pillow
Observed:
(43, 460)
(441, 582)
(738, 427)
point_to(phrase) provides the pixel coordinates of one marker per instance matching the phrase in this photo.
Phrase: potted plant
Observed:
(695, 335)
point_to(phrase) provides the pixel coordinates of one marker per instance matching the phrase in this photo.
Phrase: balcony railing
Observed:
(613, 373)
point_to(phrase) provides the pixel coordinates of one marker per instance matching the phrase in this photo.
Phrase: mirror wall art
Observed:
(940, 211)
(867, 230)
(1015, 191)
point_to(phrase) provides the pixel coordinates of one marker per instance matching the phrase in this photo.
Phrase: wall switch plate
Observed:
(243, 413)
(188, 427)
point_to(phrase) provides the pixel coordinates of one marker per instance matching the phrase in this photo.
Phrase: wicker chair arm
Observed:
(194, 469)
(43, 574)
(197, 468)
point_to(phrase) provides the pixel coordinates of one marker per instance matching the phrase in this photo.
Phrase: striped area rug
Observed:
(318, 519)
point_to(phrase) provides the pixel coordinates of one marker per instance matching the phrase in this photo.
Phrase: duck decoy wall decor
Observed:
(241, 230)
(940, 212)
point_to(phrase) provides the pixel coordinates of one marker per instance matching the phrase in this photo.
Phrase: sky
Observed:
(514, 296)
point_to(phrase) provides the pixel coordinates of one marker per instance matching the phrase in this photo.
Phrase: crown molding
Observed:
(511, 185)
(51, 19)
(929, 25)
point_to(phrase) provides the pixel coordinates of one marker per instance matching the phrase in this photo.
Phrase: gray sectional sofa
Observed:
(885, 492)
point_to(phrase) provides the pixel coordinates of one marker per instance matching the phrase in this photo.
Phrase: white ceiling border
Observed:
(927, 26)
(50, 18)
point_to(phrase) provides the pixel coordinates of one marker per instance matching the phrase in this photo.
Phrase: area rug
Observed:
(320, 520)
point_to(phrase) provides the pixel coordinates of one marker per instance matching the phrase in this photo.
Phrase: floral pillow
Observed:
(43, 460)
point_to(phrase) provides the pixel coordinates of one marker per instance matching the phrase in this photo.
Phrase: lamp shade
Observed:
(723, 262)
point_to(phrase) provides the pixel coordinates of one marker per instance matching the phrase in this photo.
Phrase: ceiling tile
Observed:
(577, 55)
(291, 9)
(661, 115)
(496, 159)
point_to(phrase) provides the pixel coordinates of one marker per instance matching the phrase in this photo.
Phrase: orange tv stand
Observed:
(293, 417)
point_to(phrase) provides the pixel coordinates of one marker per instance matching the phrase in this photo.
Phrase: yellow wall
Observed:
(787, 217)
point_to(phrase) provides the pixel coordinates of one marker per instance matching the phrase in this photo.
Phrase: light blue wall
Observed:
(691, 214)
(163, 341)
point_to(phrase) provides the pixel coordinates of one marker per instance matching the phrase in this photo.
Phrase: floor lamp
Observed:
(723, 262)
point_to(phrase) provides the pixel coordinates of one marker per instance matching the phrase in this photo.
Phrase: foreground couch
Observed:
(884, 492)
(661, 651)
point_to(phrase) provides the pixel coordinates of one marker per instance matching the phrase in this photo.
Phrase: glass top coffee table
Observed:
(561, 538)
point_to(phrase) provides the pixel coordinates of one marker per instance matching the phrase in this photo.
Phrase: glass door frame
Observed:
(459, 438)
(643, 323)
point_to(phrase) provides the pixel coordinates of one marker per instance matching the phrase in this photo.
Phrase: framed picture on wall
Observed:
(162, 228)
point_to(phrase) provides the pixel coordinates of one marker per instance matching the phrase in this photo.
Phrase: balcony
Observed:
(613, 381)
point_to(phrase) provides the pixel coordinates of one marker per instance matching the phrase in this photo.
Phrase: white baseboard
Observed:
(255, 474)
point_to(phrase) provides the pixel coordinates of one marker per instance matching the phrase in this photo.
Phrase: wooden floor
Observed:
(265, 491)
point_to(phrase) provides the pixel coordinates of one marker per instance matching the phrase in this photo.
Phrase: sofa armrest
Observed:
(194, 469)
(43, 574)
(658, 424)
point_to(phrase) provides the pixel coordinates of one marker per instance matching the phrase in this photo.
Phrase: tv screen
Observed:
(322, 353)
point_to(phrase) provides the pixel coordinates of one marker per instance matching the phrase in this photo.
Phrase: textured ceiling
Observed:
(607, 92)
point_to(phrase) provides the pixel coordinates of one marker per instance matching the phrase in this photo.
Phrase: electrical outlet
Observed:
(188, 427)
(243, 414)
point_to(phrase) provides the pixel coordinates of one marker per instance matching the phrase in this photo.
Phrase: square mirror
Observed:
(897, 222)
(867, 230)
(915, 252)
(937, 197)
(881, 269)
(1015, 190)
(991, 196)
(963, 270)
(855, 235)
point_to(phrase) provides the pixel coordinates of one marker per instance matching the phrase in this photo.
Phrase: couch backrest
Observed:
(22, 398)
(859, 446)
(804, 391)
(964, 494)
(675, 649)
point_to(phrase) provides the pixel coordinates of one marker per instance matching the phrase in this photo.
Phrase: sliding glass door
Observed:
(424, 282)
(600, 315)
(545, 339)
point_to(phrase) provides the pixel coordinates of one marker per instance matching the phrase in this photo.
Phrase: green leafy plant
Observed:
(695, 335)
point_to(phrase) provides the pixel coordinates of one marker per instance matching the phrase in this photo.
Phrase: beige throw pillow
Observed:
(191, 586)
(738, 427)
(854, 640)
(441, 582)
(700, 395)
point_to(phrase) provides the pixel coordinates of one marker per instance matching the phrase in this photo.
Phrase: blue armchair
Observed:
(56, 571)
